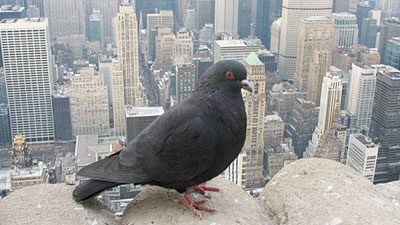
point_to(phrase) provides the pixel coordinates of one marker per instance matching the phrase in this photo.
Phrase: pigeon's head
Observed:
(229, 76)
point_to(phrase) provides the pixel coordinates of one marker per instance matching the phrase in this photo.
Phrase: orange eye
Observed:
(229, 75)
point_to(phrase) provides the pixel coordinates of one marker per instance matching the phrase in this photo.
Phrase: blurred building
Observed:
(138, 118)
(368, 32)
(226, 17)
(28, 78)
(118, 99)
(390, 28)
(207, 15)
(90, 148)
(186, 80)
(273, 131)
(362, 155)
(314, 55)
(324, 143)
(128, 53)
(385, 125)
(5, 135)
(302, 123)
(183, 47)
(277, 157)
(392, 53)
(12, 12)
(340, 6)
(21, 154)
(95, 27)
(234, 49)
(269, 59)
(34, 175)
(162, 19)
(276, 28)
(62, 117)
(346, 30)
(107, 10)
(292, 13)
(266, 13)
(89, 103)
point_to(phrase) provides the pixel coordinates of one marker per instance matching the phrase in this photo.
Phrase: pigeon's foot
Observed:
(195, 205)
(202, 188)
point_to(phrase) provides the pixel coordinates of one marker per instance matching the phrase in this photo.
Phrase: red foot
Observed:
(202, 188)
(195, 206)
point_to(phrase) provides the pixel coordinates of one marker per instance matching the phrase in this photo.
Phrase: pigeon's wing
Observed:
(176, 147)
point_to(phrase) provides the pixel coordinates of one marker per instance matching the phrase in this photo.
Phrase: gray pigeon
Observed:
(189, 144)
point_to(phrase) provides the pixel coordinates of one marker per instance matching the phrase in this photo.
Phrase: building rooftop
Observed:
(23, 23)
(270, 118)
(317, 18)
(88, 149)
(11, 8)
(132, 111)
(364, 140)
(235, 43)
(252, 59)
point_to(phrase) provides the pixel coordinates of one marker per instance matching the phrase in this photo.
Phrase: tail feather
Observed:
(90, 188)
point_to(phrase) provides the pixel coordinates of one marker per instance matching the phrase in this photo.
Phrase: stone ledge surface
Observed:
(320, 191)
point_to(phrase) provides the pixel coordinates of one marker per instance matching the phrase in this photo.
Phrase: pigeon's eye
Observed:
(229, 75)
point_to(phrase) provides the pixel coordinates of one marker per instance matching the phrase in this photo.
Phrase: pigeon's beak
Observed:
(246, 86)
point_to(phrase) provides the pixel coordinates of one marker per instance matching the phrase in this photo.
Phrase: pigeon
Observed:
(188, 145)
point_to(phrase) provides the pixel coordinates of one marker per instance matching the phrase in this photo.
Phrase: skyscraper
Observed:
(95, 27)
(89, 103)
(255, 108)
(118, 99)
(207, 9)
(266, 13)
(368, 32)
(328, 117)
(346, 30)
(389, 29)
(186, 79)
(62, 117)
(234, 49)
(244, 18)
(392, 53)
(314, 55)
(226, 16)
(292, 12)
(28, 80)
(361, 94)
(128, 53)
(183, 47)
(108, 10)
(385, 124)
(5, 136)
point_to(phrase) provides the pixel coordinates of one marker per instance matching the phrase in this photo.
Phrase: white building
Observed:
(276, 35)
(346, 30)
(234, 49)
(328, 117)
(226, 17)
(26, 56)
(128, 53)
(361, 94)
(89, 103)
(292, 12)
(117, 80)
(362, 155)
(183, 47)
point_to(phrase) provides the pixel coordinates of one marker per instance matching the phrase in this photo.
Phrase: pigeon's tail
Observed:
(90, 188)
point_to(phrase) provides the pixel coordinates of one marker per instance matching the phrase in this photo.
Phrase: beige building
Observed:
(164, 49)
(314, 54)
(274, 128)
(183, 47)
(252, 174)
(89, 103)
(160, 20)
(21, 177)
(128, 53)
(118, 109)
(278, 157)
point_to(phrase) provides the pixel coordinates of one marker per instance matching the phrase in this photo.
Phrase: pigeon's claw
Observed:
(202, 188)
(194, 206)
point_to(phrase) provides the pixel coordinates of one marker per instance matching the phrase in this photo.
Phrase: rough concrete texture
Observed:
(319, 191)
(158, 206)
(48, 205)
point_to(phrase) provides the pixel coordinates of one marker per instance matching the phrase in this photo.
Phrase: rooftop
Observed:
(272, 118)
(317, 18)
(132, 111)
(89, 148)
(252, 59)
(364, 140)
(235, 43)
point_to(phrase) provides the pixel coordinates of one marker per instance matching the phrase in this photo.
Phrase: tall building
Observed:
(390, 7)
(165, 49)
(138, 118)
(244, 18)
(314, 55)
(183, 47)
(389, 29)
(107, 10)
(362, 155)
(66, 18)
(266, 13)
(385, 125)
(5, 136)
(95, 26)
(368, 32)
(186, 80)
(328, 117)
(180, 10)
(361, 94)
(302, 124)
(128, 53)
(3, 91)
(392, 53)
(234, 49)
(362, 13)
(160, 20)
(28, 78)
(292, 13)
(346, 30)
(207, 15)
(62, 117)
(89, 103)
(341, 6)
(255, 104)
(226, 17)
(276, 35)
(118, 99)
(273, 131)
